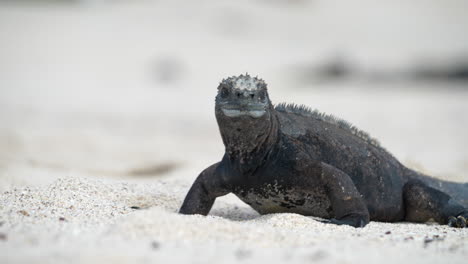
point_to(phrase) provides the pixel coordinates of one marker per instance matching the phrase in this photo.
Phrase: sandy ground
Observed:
(106, 113)
(78, 220)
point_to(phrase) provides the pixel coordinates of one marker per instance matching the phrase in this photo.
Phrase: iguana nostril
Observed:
(252, 95)
(239, 94)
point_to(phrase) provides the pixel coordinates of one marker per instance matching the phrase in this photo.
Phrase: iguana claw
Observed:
(459, 222)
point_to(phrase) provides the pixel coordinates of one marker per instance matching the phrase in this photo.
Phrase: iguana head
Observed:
(244, 113)
(242, 96)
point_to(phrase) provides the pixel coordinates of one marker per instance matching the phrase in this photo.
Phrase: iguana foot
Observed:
(354, 221)
(351, 222)
(459, 221)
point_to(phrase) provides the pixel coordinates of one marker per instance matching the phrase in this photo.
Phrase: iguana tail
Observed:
(457, 190)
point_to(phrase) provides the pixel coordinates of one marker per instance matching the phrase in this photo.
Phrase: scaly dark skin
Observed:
(288, 159)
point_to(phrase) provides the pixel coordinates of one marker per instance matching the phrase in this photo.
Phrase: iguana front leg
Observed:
(204, 191)
(347, 203)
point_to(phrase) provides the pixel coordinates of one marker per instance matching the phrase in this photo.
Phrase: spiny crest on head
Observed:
(243, 82)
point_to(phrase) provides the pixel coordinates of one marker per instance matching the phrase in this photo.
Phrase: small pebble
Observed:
(3, 237)
(23, 212)
(427, 240)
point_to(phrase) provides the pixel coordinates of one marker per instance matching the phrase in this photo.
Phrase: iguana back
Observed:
(339, 143)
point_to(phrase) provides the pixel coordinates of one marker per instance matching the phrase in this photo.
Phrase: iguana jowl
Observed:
(289, 159)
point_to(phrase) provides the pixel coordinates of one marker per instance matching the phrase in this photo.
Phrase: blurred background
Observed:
(125, 89)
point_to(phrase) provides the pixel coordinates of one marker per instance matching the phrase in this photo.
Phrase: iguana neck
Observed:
(249, 144)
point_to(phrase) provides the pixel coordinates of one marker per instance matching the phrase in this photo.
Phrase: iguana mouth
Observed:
(253, 110)
(238, 112)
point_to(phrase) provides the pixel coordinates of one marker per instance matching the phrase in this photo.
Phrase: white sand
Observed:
(84, 115)
(82, 220)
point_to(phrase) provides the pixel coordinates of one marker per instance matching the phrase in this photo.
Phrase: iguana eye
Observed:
(261, 95)
(224, 92)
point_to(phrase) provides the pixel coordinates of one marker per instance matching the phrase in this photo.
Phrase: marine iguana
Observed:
(290, 159)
